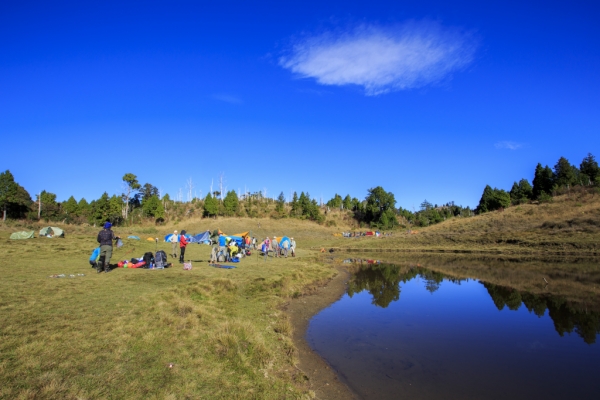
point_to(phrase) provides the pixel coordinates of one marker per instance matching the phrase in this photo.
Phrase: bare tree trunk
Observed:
(221, 185)
(39, 206)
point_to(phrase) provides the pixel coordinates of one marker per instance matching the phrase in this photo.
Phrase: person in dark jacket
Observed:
(182, 243)
(105, 238)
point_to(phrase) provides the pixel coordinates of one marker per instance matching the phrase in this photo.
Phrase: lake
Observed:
(408, 331)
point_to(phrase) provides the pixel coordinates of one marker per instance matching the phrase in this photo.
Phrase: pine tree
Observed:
(589, 168)
(280, 205)
(211, 206)
(230, 203)
(564, 175)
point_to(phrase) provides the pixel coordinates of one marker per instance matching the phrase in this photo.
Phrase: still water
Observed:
(418, 334)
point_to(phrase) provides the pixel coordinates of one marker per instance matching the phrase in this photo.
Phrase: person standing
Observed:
(182, 243)
(174, 241)
(286, 246)
(105, 238)
(265, 247)
(275, 246)
(293, 247)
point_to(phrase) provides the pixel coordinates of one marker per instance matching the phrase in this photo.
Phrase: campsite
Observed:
(210, 332)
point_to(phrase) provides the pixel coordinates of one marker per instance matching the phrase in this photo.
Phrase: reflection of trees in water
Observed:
(566, 317)
(381, 280)
(432, 279)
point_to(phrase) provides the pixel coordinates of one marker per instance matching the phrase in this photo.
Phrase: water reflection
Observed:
(382, 281)
(567, 317)
(428, 327)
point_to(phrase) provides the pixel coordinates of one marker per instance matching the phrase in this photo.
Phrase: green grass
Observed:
(114, 335)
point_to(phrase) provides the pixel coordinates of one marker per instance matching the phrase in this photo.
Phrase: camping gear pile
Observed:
(147, 261)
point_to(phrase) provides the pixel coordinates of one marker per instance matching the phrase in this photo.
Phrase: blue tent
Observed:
(285, 239)
(188, 237)
(133, 237)
(238, 239)
(201, 238)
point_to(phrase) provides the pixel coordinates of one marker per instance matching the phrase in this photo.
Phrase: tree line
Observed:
(547, 182)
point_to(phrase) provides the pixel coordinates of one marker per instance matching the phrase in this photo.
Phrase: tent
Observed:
(238, 239)
(243, 234)
(52, 231)
(133, 237)
(201, 238)
(285, 239)
(150, 239)
(22, 235)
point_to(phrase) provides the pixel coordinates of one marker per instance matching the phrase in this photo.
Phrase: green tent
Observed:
(22, 235)
(52, 231)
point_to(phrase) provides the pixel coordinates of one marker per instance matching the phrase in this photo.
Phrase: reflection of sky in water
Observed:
(453, 343)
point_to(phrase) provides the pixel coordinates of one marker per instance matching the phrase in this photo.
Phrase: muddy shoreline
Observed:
(322, 379)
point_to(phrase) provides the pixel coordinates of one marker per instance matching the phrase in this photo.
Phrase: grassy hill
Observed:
(568, 225)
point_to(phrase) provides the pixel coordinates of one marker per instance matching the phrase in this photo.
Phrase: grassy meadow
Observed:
(221, 334)
(116, 335)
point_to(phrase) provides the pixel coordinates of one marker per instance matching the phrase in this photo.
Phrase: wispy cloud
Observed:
(382, 59)
(508, 145)
(227, 98)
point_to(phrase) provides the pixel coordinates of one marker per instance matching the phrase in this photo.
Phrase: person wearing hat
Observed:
(275, 246)
(105, 238)
(174, 244)
(293, 247)
(182, 243)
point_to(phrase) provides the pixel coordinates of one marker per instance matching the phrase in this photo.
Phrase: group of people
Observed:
(278, 249)
(230, 247)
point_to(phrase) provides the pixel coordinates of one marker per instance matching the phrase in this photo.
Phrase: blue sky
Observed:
(428, 99)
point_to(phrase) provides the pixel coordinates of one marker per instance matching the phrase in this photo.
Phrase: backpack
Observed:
(148, 259)
(160, 259)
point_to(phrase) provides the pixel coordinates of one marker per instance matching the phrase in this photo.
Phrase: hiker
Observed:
(293, 247)
(275, 246)
(105, 238)
(265, 247)
(253, 243)
(285, 246)
(174, 241)
(182, 243)
(213, 254)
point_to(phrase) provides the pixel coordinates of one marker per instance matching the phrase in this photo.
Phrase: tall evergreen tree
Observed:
(83, 208)
(280, 204)
(13, 197)
(493, 199)
(230, 203)
(521, 192)
(70, 207)
(564, 175)
(589, 168)
(543, 181)
(295, 211)
(211, 206)
(347, 202)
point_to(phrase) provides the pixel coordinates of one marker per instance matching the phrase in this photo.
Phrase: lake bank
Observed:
(322, 379)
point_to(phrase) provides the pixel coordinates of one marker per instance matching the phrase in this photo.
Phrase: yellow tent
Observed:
(150, 239)
(243, 234)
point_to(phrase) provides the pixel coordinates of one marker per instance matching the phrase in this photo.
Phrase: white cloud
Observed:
(508, 145)
(227, 98)
(379, 59)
